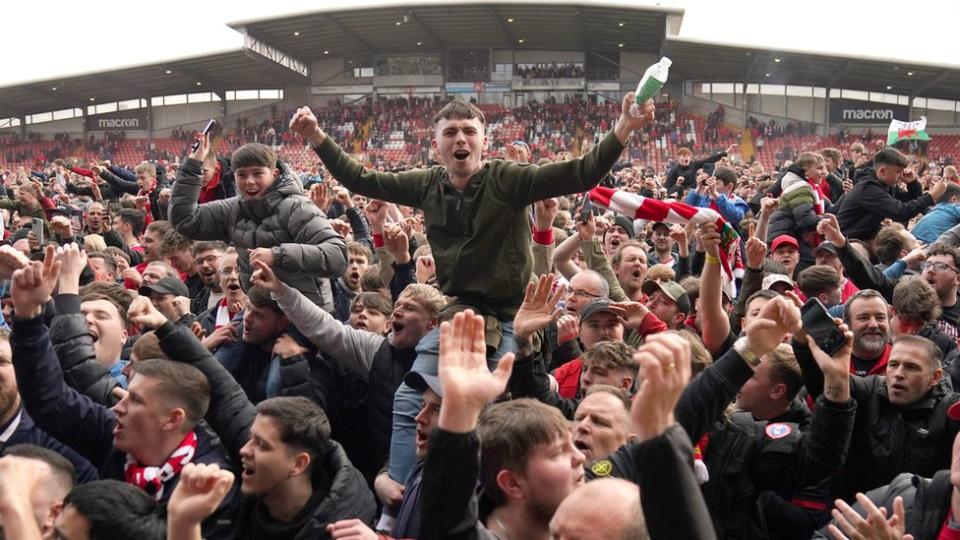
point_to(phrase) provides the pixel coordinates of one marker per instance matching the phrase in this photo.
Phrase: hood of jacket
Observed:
(348, 496)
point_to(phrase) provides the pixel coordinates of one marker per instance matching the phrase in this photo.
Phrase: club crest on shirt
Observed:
(777, 431)
(602, 468)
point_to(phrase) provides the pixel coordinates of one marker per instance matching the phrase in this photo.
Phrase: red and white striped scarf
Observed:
(639, 207)
(153, 479)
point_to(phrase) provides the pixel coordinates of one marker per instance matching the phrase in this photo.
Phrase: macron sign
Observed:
(132, 120)
(850, 111)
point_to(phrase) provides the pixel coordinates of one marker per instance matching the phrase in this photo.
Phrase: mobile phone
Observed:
(586, 210)
(818, 324)
(37, 226)
(76, 219)
(206, 131)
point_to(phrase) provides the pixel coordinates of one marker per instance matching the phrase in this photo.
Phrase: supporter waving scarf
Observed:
(639, 207)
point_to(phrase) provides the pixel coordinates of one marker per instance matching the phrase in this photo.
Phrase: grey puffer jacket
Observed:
(305, 247)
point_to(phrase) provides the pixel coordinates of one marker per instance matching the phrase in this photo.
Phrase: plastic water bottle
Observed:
(650, 85)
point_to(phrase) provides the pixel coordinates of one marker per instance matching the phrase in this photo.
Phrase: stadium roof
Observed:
(703, 61)
(228, 70)
(359, 33)
(278, 51)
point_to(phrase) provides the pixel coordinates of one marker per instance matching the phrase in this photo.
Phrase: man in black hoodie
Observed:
(683, 175)
(876, 197)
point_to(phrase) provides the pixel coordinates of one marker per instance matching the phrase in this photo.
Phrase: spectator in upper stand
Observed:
(146, 189)
(802, 204)
(876, 197)
(128, 225)
(834, 185)
(828, 255)
(271, 220)
(683, 175)
(347, 286)
(710, 195)
(206, 261)
(785, 250)
(941, 218)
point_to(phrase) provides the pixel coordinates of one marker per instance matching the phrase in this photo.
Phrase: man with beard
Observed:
(662, 252)
(901, 423)
(372, 365)
(206, 260)
(346, 287)
(868, 316)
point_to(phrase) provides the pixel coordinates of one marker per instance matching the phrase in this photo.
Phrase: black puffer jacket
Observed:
(305, 248)
(73, 344)
(871, 201)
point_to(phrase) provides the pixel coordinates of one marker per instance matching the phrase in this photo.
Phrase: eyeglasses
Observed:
(580, 293)
(937, 267)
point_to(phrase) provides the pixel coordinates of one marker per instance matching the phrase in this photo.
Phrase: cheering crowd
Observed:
(581, 348)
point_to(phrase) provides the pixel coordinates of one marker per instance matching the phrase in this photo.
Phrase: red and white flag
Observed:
(639, 207)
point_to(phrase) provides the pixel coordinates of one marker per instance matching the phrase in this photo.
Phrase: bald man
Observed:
(618, 501)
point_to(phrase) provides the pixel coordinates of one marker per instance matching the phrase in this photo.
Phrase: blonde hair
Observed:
(425, 295)
(148, 168)
(94, 242)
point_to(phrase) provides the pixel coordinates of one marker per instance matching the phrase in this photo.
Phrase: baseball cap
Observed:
(660, 223)
(827, 246)
(784, 239)
(770, 279)
(672, 289)
(166, 285)
(600, 305)
(626, 223)
(421, 381)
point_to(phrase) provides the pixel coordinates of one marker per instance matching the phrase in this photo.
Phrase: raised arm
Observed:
(716, 324)
(563, 255)
(448, 493)
(341, 343)
(863, 274)
(61, 411)
(208, 221)
(230, 413)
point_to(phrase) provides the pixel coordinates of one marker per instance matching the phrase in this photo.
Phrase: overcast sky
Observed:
(46, 39)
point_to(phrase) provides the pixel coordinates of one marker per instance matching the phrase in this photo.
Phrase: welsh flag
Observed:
(907, 131)
(639, 207)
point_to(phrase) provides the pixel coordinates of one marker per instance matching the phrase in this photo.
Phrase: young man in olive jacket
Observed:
(477, 223)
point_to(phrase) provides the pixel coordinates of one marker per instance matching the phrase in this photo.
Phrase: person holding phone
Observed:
(901, 424)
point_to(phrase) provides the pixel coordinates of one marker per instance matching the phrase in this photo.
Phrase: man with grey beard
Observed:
(868, 316)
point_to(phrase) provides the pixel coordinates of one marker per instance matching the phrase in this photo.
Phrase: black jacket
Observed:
(449, 506)
(87, 427)
(75, 350)
(926, 502)
(340, 490)
(680, 179)
(745, 457)
(871, 201)
(888, 439)
(120, 186)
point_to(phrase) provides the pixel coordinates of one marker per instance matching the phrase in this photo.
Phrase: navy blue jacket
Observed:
(27, 432)
(86, 426)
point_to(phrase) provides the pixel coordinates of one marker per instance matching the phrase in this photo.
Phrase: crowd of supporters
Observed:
(407, 318)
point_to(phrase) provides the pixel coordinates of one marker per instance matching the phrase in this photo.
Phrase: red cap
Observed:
(784, 239)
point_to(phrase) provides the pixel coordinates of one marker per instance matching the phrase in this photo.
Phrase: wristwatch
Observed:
(743, 349)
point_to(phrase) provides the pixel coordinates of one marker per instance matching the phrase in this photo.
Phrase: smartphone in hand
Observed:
(820, 326)
(206, 131)
(37, 227)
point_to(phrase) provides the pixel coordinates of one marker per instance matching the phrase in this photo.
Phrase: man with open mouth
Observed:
(477, 223)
